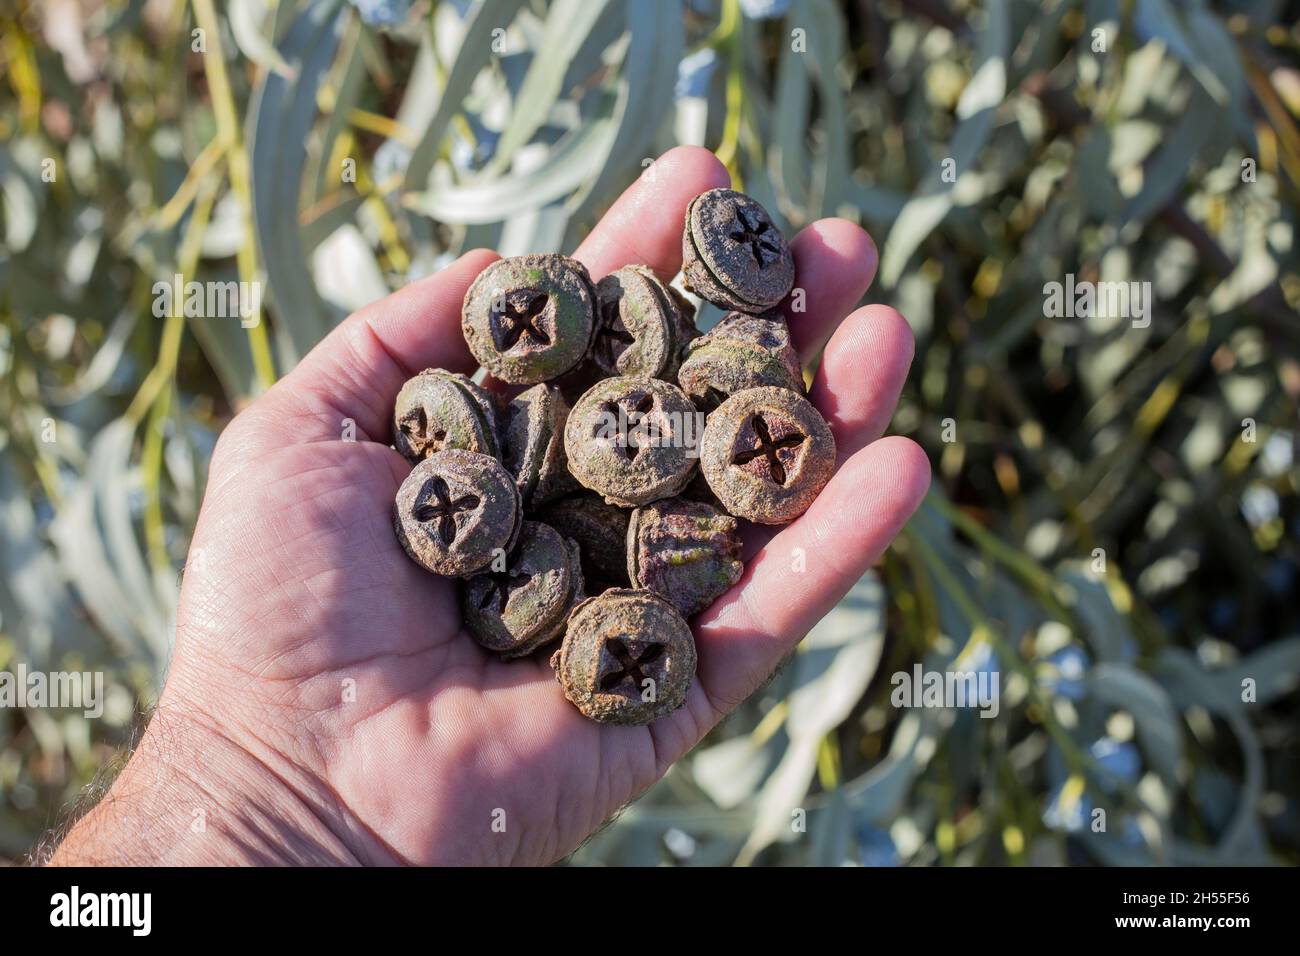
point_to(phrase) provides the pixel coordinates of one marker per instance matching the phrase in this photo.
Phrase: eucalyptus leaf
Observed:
(487, 20)
(568, 23)
(247, 19)
(1188, 683)
(497, 199)
(778, 813)
(730, 772)
(793, 96)
(278, 121)
(654, 46)
(827, 49)
(1153, 713)
(1274, 672)
(836, 662)
(976, 111)
(346, 99)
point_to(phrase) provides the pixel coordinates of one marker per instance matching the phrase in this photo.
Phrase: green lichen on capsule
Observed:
(741, 351)
(685, 551)
(524, 605)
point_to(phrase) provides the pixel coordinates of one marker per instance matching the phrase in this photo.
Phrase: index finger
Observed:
(644, 226)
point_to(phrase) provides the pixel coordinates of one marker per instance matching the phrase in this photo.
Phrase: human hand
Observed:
(324, 703)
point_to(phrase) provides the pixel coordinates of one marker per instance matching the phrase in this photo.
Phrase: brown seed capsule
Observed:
(641, 329)
(601, 532)
(741, 351)
(733, 254)
(628, 657)
(534, 445)
(530, 318)
(767, 453)
(438, 409)
(516, 610)
(632, 440)
(685, 551)
(456, 511)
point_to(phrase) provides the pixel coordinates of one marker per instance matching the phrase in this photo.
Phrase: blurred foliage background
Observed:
(1114, 521)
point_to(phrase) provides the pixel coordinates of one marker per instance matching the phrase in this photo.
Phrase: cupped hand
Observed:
(324, 703)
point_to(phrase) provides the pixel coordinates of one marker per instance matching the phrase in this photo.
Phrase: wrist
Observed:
(190, 796)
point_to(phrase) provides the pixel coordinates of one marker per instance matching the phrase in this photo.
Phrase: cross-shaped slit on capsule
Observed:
(625, 426)
(516, 316)
(445, 509)
(503, 585)
(415, 426)
(414, 423)
(758, 236)
(629, 664)
(767, 449)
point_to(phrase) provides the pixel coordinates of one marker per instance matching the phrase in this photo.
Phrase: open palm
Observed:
(311, 648)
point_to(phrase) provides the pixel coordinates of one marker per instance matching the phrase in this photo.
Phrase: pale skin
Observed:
(323, 704)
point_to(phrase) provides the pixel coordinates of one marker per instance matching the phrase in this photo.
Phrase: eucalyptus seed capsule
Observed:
(524, 605)
(628, 657)
(600, 530)
(687, 552)
(643, 327)
(456, 511)
(437, 409)
(733, 254)
(530, 318)
(741, 351)
(632, 440)
(767, 453)
(534, 444)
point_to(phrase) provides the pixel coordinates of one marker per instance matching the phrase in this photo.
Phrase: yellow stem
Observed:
(770, 724)
(383, 126)
(155, 395)
(727, 42)
(204, 163)
(223, 105)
